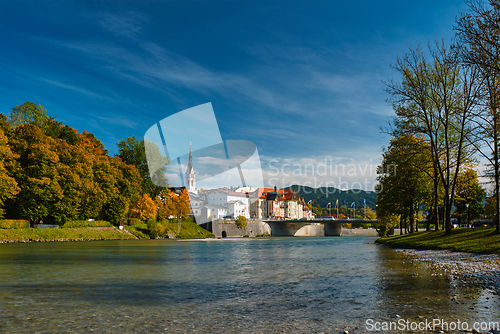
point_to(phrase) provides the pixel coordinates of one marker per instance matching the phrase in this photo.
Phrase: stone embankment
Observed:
(463, 268)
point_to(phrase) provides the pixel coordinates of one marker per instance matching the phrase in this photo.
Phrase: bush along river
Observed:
(246, 285)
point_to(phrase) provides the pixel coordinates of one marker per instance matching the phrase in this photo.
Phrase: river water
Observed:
(258, 285)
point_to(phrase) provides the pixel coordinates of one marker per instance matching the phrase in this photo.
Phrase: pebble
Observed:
(481, 269)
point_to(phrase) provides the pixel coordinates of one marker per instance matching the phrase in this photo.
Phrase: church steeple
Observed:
(190, 164)
(190, 175)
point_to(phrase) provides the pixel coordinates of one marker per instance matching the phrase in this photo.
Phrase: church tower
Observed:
(190, 176)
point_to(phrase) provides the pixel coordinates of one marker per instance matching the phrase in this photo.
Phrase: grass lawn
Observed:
(62, 234)
(188, 230)
(472, 240)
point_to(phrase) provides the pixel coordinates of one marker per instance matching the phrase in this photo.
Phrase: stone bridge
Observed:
(281, 228)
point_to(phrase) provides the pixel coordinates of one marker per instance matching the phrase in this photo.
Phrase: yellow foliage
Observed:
(144, 209)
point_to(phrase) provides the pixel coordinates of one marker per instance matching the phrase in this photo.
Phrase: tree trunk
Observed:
(497, 190)
(428, 228)
(436, 201)
(411, 219)
(447, 212)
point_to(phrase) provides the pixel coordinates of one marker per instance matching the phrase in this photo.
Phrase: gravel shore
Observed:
(465, 268)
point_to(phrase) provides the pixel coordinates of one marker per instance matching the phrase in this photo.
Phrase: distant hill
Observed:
(325, 195)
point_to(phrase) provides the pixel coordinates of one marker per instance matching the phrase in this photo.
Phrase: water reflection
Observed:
(246, 285)
(411, 291)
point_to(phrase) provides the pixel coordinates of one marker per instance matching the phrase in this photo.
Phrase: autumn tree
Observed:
(144, 209)
(95, 172)
(61, 174)
(168, 200)
(8, 185)
(182, 204)
(36, 173)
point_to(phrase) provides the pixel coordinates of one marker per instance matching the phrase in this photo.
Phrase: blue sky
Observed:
(300, 79)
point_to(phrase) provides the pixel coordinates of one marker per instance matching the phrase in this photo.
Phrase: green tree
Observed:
(437, 98)
(153, 228)
(161, 212)
(241, 222)
(469, 192)
(29, 113)
(385, 223)
(479, 47)
(116, 208)
(127, 180)
(132, 151)
(371, 214)
(57, 130)
(490, 207)
(403, 178)
(318, 210)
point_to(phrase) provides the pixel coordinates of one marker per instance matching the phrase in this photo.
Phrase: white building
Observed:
(195, 205)
(237, 208)
(209, 212)
(229, 199)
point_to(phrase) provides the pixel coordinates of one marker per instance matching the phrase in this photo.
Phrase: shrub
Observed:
(134, 221)
(241, 222)
(385, 224)
(152, 228)
(11, 223)
(139, 230)
(86, 223)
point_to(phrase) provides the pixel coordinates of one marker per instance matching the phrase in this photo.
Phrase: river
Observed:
(246, 285)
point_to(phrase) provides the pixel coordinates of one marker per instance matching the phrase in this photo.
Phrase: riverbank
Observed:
(462, 268)
(471, 240)
(62, 234)
(468, 256)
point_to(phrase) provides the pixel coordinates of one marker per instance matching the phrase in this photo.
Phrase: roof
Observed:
(272, 196)
(262, 192)
(210, 206)
(234, 193)
(234, 201)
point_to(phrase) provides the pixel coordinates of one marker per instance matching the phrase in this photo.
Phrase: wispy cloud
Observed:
(75, 89)
(118, 120)
(128, 24)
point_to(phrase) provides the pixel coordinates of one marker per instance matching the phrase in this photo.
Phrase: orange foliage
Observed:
(172, 204)
(144, 209)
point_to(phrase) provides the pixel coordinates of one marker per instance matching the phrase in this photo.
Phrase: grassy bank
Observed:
(473, 240)
(188, 230)
(62, 234)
